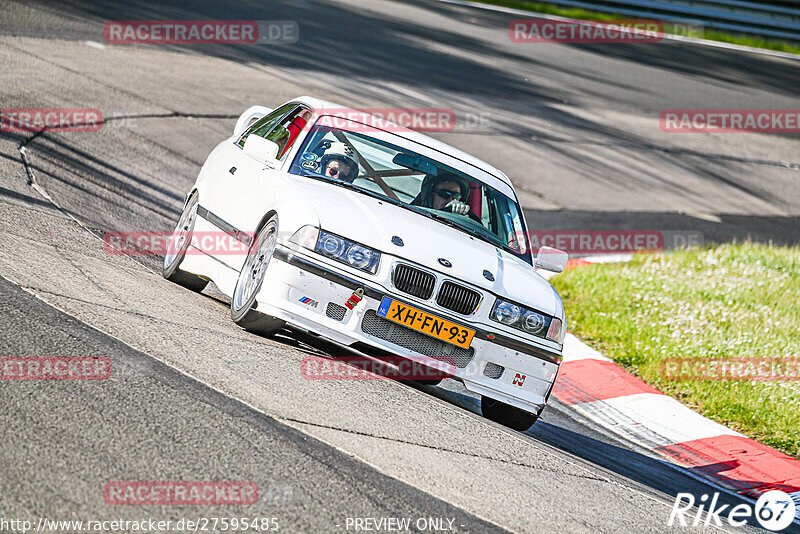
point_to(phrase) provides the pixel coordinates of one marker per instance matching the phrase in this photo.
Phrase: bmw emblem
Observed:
(444, 263)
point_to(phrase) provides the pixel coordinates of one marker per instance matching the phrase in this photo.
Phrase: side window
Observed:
(288, 130)
(513, 223)
(262, 126)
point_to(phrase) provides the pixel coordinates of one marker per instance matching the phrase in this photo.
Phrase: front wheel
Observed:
(507, 415)
(251, 277)
(178, 244)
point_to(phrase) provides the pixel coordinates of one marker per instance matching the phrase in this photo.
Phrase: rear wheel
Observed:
(178, 244)
(251, 277)
(507, 415)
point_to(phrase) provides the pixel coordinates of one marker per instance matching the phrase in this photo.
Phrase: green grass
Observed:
(732, 301)
(583, 14)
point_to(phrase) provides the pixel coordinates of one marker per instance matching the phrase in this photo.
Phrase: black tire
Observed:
(179, 243)
(506, 415)
(251, 277)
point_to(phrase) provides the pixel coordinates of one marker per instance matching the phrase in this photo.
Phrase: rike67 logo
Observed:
(774, 510)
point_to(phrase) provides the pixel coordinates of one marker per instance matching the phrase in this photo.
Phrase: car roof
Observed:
(323, 107)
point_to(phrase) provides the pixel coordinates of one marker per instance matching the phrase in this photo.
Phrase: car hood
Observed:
(373, 222)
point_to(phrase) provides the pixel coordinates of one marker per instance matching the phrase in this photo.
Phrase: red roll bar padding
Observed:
(295, 127)
(475, 204)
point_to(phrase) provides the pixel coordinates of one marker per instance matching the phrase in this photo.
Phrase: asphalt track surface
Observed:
(193, 397)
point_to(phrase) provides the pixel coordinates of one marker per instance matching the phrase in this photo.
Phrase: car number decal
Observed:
(426, 323)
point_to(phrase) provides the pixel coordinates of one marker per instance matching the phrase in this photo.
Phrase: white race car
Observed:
(381, 240)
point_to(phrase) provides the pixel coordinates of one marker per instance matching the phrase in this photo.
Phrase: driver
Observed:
(444, 192)
(337, 162)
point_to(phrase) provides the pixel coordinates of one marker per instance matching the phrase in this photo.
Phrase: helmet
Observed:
(341, 152)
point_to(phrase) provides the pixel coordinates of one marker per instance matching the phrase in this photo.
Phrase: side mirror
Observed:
(262, 150)
(247, 118)
(551, 259)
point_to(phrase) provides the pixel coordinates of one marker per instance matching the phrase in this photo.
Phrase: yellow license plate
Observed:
(426, 323)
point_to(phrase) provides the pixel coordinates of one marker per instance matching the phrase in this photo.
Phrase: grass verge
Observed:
(583, 14)
(729, 302)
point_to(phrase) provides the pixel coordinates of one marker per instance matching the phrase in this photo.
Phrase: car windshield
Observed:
(378, 168)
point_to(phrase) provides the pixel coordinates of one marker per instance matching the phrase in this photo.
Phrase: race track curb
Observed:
(606, 394)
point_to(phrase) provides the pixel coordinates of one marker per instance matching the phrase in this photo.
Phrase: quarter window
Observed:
(288, 130)
(263, 126)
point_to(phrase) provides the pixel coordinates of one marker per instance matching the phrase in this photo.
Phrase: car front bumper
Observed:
(310, 294)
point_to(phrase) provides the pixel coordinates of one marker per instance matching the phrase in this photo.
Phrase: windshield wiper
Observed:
(415, 209)
(353, 187)
(454, 224)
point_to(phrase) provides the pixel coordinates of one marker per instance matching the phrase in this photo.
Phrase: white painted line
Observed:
(575, 349)
(95, 44)
(703, 42)
(710, 217)
(665, 420)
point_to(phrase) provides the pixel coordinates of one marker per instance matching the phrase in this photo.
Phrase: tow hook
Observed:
(355, 298)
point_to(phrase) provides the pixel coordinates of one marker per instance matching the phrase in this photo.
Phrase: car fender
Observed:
(276, 192)
(210, 166)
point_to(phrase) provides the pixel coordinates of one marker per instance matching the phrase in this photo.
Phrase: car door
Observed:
(260, 183)
(229, 172)
(239, 192)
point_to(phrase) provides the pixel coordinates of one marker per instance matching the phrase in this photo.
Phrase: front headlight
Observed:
(529, 321)
(338, 248)
(506, 313)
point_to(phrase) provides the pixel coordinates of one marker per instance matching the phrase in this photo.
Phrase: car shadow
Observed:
(565, 430)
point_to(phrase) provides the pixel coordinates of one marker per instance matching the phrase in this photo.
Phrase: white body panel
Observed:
(241, 200)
